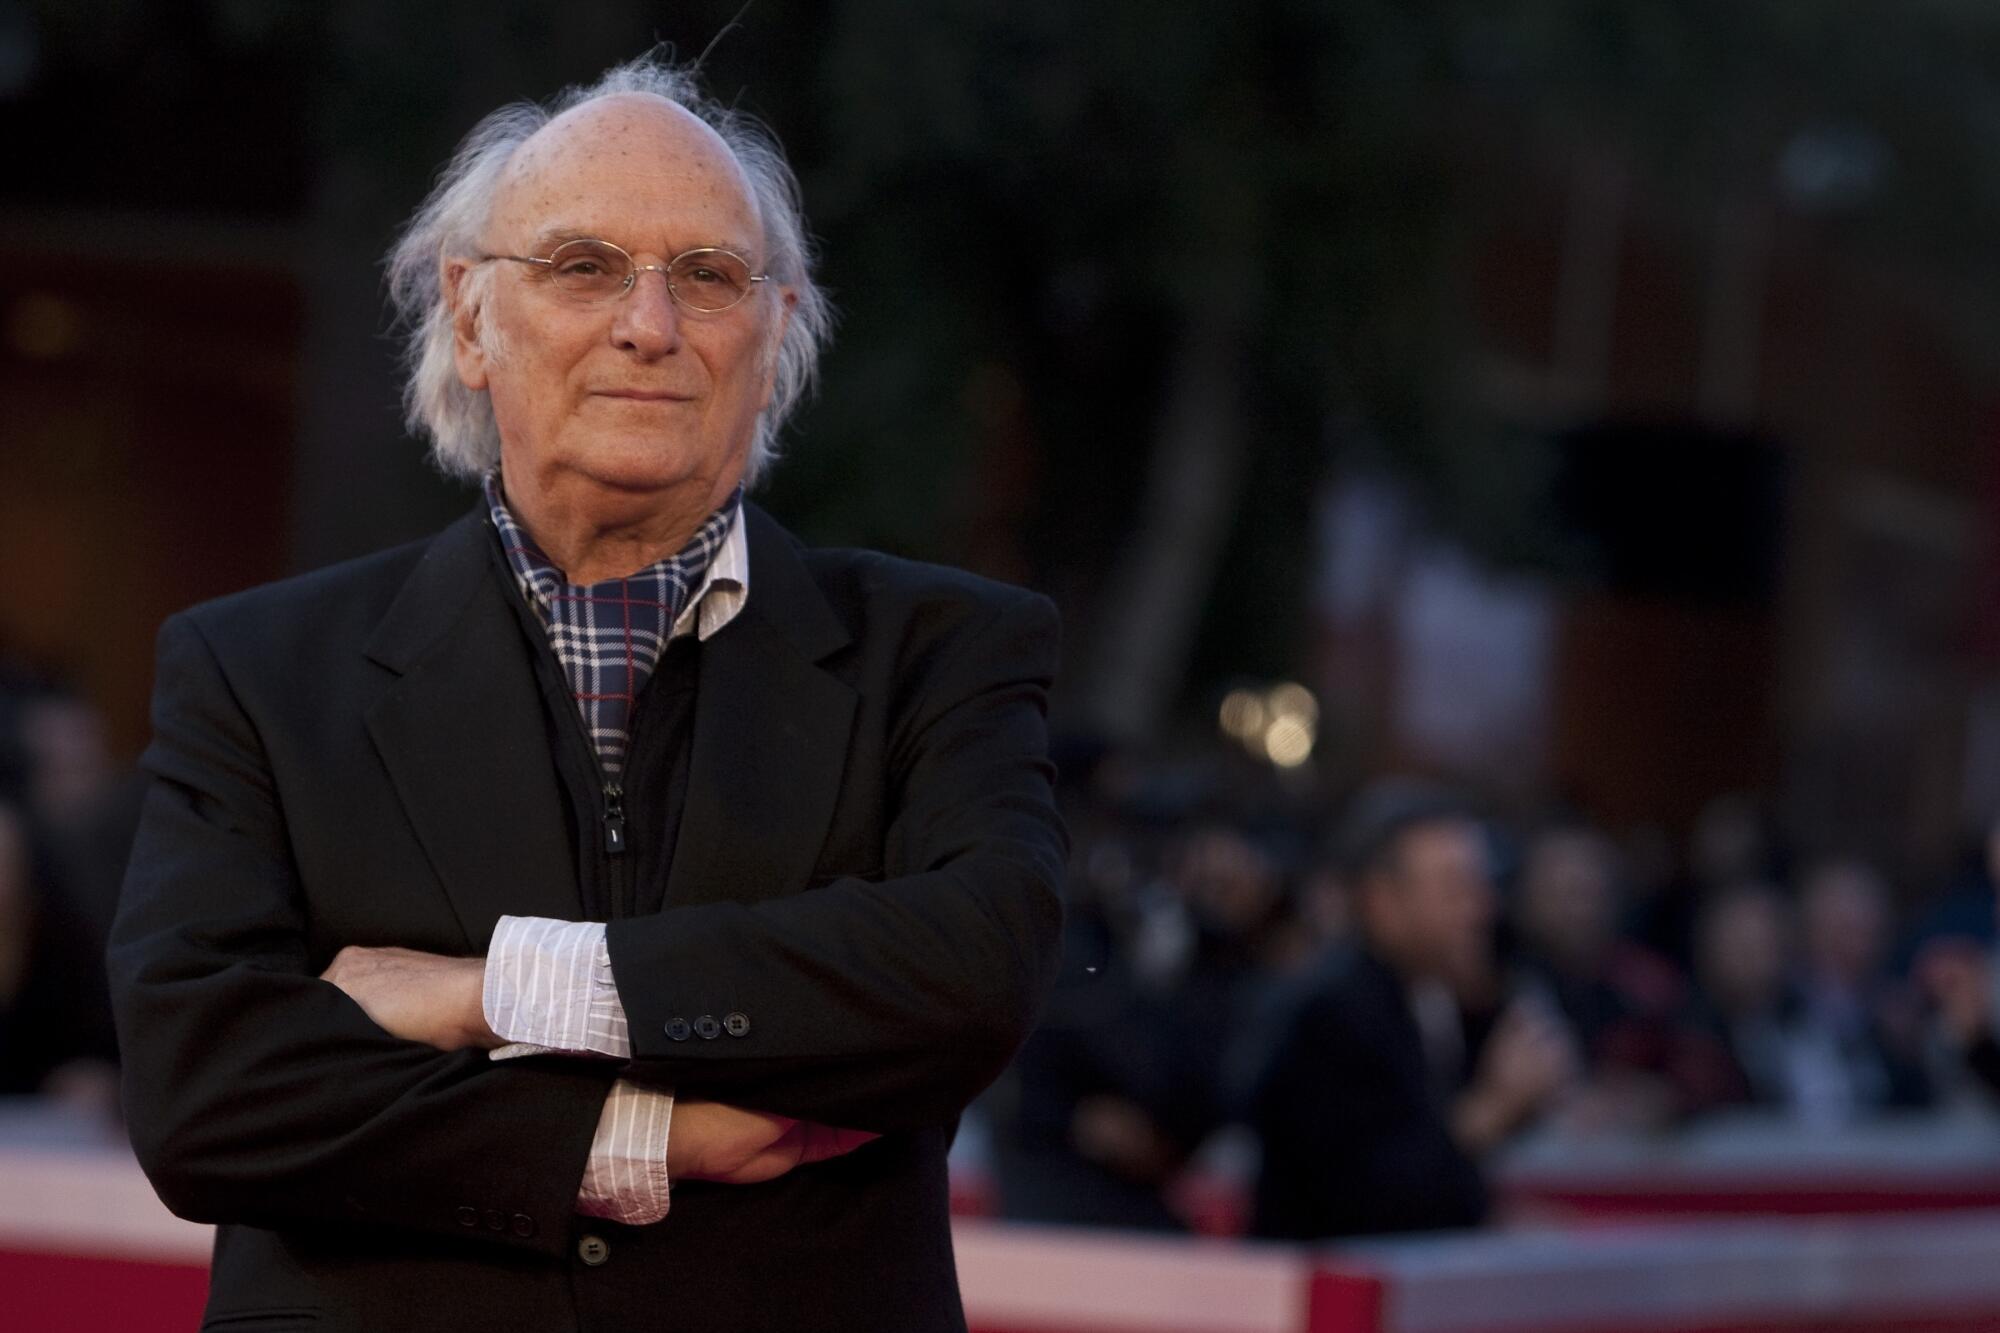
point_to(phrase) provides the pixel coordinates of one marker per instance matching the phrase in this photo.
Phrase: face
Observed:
(1844, 919)
(633, 398)
(1431, 910)
(1227, 879)
(1743, 952)
(72, 761)
(1569, 902)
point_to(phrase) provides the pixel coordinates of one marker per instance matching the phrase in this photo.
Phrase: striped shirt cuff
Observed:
(626, 1177)
(549, 989)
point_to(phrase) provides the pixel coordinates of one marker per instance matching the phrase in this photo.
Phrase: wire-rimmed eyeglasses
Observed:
(708, 278)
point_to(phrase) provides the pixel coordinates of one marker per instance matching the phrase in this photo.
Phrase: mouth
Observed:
(644, 395)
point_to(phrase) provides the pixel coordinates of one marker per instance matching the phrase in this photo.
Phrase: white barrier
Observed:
(1802, 1273)
(1016, 1276)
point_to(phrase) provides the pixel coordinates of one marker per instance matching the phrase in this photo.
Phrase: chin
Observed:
(640, 464)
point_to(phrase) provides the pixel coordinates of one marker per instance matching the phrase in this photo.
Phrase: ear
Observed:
(461, 297)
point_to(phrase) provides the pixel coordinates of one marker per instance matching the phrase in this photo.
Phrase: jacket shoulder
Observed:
(321, 605)
(870, 586)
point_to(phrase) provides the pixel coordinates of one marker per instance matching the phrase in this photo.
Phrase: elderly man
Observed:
(596, 916)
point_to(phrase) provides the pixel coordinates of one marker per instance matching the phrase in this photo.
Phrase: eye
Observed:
(588, 268)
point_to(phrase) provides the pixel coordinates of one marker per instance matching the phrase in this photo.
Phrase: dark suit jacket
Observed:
(1356, 1137)
(867, 868)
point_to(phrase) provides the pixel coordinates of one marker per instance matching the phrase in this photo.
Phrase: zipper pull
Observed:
(614, 819)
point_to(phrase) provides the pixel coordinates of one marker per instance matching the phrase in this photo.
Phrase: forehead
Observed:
(634, 169)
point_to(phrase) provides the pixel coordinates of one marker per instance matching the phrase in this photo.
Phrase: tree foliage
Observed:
(1032, 211)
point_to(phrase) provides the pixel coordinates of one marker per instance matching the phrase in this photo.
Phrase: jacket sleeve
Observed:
(256, 1092)
(885, 1005)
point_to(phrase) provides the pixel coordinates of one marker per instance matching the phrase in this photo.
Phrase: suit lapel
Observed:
(771, 732)
(464, 737)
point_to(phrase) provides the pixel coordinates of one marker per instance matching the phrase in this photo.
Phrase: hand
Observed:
(86, 1086)
(424, 997)
(1528, 1059)
(1119, 1135)
(1959, 980)
(711, 1141)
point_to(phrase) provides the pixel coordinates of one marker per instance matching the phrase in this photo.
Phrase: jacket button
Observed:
(592, 1250)
(707, 1028)
(524, 1226)
(678, 1029)
(495, 1220)
(468, 1216)
(736, 1025)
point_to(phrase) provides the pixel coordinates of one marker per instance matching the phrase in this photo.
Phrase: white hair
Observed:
(465, 442)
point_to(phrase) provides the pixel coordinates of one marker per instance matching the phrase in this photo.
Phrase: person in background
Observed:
(1129, 1073)
(1732, 843)
(1385, 1095)
(1618, 997)
(84, 803)
(1858, 1044)
(1955, 970)
(55, 1020)
(1735, 1044)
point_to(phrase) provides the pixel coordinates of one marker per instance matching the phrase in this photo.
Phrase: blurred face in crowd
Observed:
(623, 401)
(1569, 898)
(1844, 912)
(1744, 947)
(1728, 844)
(1428, 910)
(71, 757)
(1227, 880)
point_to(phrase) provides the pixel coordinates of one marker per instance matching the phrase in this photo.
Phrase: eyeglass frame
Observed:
(634, 268)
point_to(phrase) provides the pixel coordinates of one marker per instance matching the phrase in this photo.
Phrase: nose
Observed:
(647, 323)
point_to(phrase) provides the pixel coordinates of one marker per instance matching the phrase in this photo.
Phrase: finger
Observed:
(826, 1141)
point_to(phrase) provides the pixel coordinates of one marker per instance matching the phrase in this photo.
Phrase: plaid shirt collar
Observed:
(608, 636)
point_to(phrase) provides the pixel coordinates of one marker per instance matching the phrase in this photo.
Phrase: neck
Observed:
(601, 535)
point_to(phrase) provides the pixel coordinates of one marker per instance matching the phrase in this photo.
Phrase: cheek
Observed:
(530, 364)
(736, 368)
(753, 358)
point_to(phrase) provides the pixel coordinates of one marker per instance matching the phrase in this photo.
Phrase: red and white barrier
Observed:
(84, 1246)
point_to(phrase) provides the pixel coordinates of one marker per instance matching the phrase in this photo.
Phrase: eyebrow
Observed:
(550, 237)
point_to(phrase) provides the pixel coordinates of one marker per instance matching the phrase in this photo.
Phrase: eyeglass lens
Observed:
(700, 279)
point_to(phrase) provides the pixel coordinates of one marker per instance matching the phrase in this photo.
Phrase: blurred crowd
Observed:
(1280, 1014)
(68, 809)
(1301, 1022)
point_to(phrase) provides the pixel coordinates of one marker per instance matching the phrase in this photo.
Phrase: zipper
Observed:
(614, 819)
